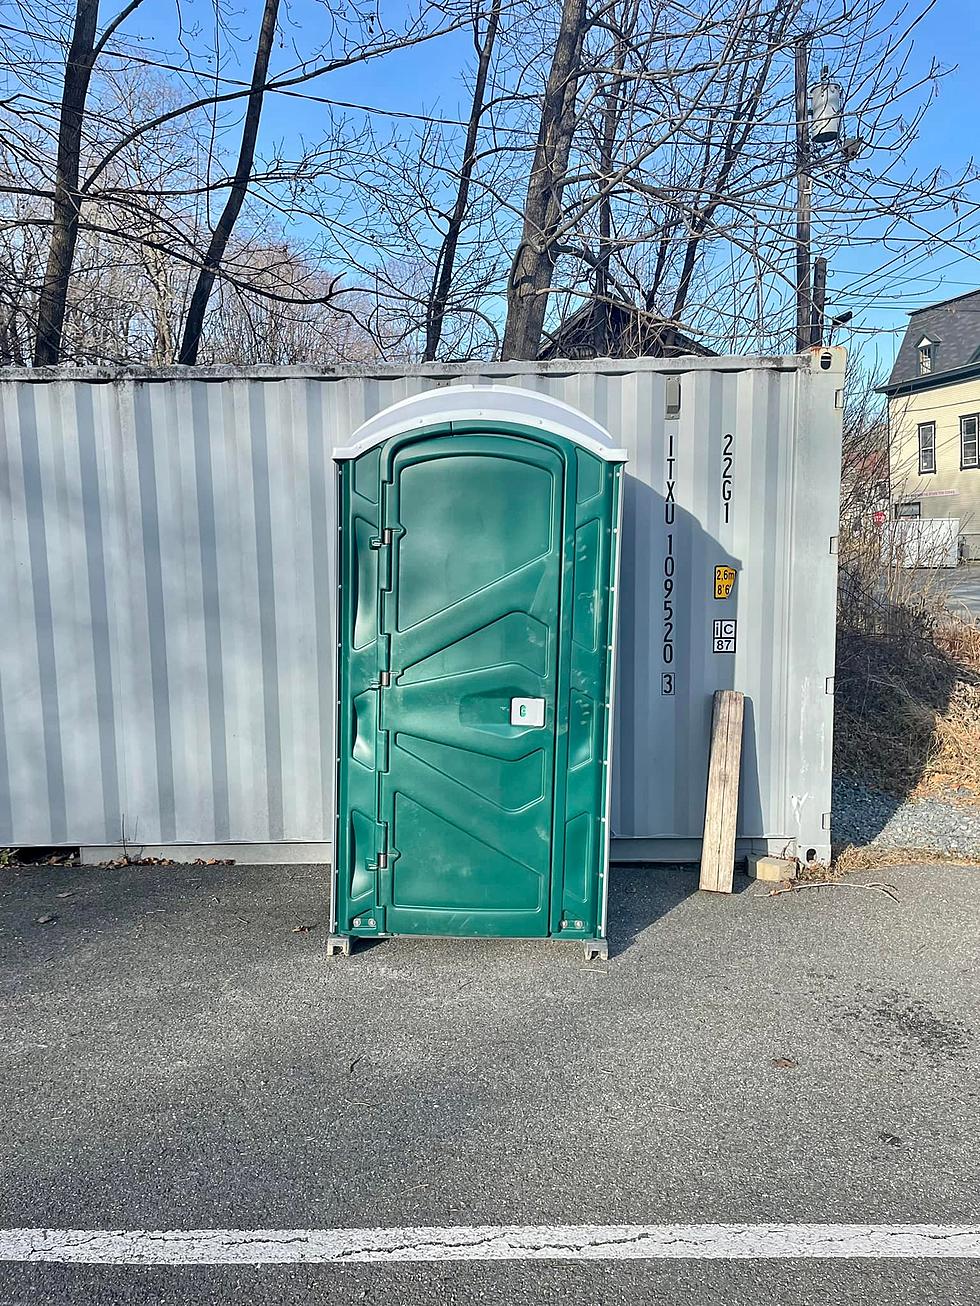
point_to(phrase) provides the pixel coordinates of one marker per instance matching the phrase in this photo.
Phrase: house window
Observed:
(927, 355)
(969, 443)
(907, 510)
(927, 448)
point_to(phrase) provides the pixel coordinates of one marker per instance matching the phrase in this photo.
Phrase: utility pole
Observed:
(819, 300)
(804, 308)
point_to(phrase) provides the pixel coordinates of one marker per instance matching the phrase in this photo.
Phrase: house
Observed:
(934, 418)
(615, 329)
(864, 481)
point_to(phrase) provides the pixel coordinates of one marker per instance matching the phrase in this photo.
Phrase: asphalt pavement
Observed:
(178, 1052)
(961, 586)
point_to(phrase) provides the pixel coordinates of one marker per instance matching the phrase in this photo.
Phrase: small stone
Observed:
(774, 870)
(45, 920)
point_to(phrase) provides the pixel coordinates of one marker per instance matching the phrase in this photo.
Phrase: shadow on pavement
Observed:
(45, 910)
(640, 895)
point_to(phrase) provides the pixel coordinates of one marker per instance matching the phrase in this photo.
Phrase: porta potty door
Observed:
(467, 583)
(471, 622)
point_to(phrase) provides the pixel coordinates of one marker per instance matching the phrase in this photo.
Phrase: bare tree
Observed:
(66, 204)
(676, 199)
(194, 323)
(446, 262)
(631, 162)
(139, 248)
(613, 103)
(93, 146)
(536, 255)
(742, 86)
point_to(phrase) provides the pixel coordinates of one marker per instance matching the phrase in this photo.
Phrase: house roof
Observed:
(953, 327)
(631, 332)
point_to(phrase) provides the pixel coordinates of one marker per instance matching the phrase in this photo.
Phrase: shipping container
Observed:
(168, 589)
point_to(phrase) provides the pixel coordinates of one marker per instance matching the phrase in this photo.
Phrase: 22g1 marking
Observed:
(727, 479)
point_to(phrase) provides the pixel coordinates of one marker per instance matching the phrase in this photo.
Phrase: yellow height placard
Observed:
(724, 581)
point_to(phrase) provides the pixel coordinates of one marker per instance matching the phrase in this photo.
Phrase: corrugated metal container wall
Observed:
(167, 584)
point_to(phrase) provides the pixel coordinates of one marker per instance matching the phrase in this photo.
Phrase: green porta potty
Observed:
(479, 546)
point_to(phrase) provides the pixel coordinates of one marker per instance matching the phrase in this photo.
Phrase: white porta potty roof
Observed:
(483, 403)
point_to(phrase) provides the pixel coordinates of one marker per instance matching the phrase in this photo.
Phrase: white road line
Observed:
(626, 1242)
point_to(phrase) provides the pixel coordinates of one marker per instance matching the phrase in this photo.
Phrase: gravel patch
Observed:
(862, 815)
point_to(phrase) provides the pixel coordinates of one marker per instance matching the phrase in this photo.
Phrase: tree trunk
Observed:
(660, 268)
(442, 281)
(534, 262)
(194, 323)
(66, 205)
(611, 114)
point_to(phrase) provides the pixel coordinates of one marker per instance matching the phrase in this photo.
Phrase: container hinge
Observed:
(381, 541)
(833, 545)
(829, 685)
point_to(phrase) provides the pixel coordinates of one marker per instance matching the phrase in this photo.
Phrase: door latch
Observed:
(527, 711)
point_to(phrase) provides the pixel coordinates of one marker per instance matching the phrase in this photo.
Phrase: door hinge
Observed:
(380, 862)
(384, 543)
(383, 664)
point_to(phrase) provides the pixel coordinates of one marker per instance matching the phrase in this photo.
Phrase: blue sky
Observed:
(427, 79)
(949, 136)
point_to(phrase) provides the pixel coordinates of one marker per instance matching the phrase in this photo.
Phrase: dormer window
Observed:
(927, 356)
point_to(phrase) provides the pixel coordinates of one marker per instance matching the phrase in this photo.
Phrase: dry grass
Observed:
(907, 709)
(871, 858)
(867, 858)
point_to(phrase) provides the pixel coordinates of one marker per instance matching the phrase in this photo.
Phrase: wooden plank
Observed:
(721, 803)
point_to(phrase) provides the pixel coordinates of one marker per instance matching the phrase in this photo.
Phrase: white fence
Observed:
(924, 541)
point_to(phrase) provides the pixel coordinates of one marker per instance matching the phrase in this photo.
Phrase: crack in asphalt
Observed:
(205, 1246)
